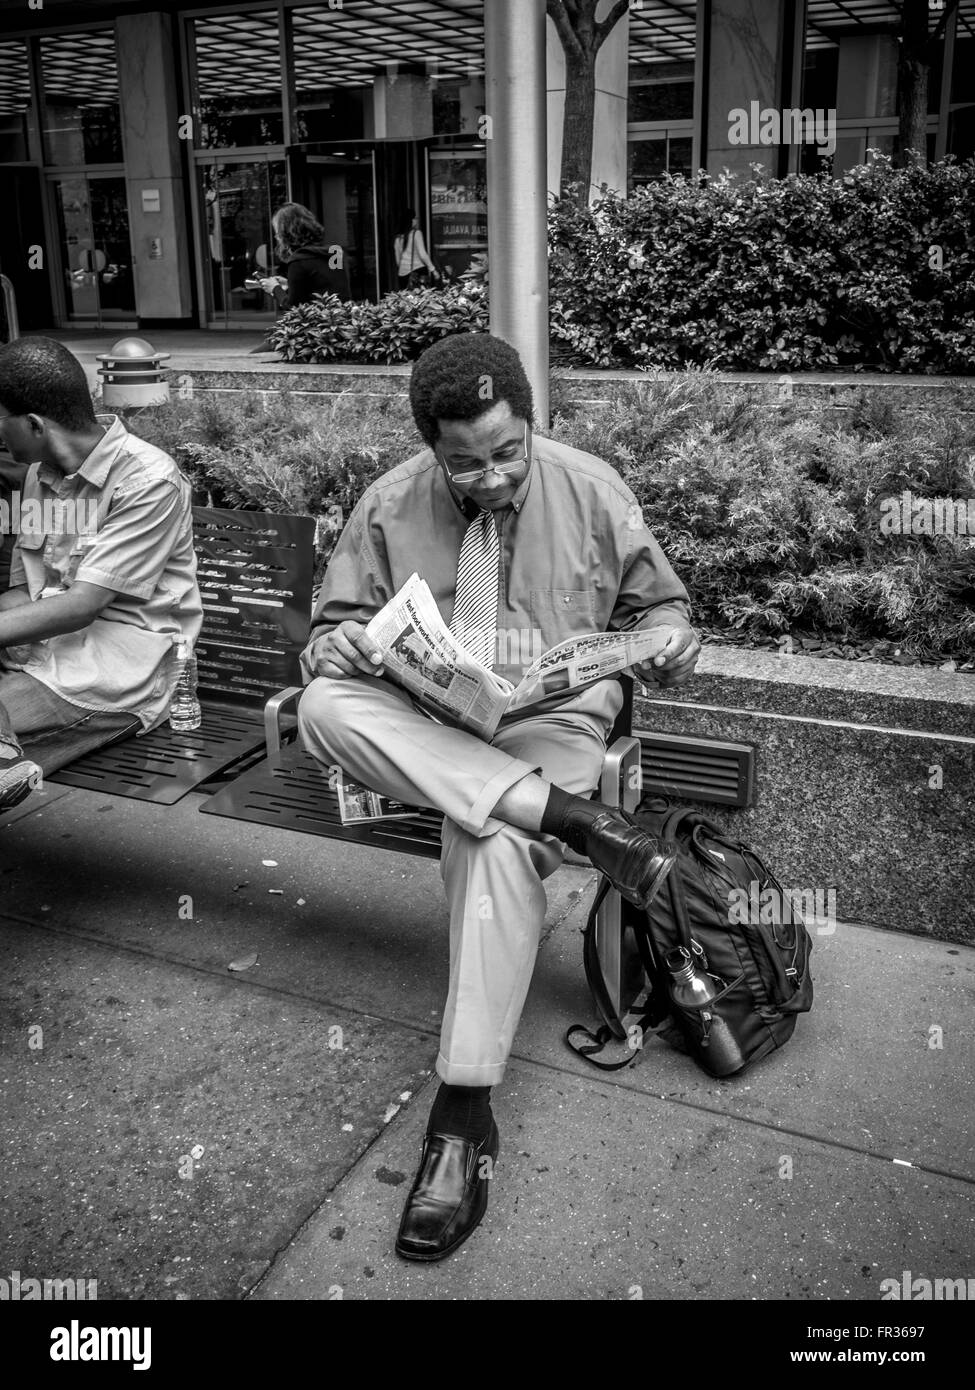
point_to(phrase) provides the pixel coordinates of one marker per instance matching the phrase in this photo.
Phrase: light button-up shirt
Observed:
(123, 521)
(576, 557)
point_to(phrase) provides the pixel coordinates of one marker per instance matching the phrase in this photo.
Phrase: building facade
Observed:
(145, 146)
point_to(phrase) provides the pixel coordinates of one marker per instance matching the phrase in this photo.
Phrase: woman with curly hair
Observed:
(313, 267)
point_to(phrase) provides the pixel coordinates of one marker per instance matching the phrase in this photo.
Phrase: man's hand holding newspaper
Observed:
(421, 653)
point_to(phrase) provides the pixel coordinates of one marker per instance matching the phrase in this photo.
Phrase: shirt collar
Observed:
(96, 466)
(469, 508)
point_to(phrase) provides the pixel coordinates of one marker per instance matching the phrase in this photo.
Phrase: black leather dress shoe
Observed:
(634, 862)
(449, 1195)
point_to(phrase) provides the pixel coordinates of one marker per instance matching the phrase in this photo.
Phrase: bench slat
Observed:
(162, 766)
(291, 792)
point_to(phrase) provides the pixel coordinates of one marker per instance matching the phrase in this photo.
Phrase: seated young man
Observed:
(514, 534)
(11, 485)
(102, 578)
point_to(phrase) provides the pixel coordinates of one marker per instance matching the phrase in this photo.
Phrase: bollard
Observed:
(131, 375)
(9, 331)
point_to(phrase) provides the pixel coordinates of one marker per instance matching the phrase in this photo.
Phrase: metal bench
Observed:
(290, 790)
(256, 571)
(255, 574)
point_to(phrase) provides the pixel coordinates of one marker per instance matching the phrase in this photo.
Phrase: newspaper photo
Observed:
(358, 803)
(423, 655)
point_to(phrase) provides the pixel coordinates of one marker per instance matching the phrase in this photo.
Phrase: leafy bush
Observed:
(769, 516)
(281, 453)
(875, 270)
(397, 329)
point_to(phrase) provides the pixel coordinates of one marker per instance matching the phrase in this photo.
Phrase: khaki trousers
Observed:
(492, 872)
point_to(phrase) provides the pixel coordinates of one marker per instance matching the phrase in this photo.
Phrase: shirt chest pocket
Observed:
(561, 613)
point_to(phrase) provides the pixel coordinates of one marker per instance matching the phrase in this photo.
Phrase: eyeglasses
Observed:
(475, 476)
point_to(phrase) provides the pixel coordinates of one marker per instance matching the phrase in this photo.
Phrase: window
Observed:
(238, 69)
(329, 97)
(14, 103)
(81, 112)
(650, 158)
(660, 101)
(660, 121)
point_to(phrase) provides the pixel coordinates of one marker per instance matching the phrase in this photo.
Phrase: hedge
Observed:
(770, 517)
(872, 271)
(397, 329)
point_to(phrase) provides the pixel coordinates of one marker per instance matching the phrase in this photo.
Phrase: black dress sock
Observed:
(568, 817)
(464, 1111)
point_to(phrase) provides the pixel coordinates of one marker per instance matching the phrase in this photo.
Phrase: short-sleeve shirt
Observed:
(124, 521)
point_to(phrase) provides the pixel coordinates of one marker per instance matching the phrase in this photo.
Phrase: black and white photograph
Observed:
(596, 317)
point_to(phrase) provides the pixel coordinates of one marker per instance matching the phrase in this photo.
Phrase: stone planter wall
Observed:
(838, 391)
(865, 778)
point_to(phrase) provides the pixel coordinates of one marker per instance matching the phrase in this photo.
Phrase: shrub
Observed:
(873, 270)
(770, 516)
(397, 329)
(280, 453)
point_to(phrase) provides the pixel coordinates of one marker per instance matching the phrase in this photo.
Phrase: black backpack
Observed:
(761, 968)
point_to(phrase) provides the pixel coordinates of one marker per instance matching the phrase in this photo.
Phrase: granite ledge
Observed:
(857, 692)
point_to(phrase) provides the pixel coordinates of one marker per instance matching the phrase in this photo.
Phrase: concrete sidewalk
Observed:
(176, 1130)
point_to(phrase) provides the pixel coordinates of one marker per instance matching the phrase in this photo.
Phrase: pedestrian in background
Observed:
(313, 267)
(413, 264)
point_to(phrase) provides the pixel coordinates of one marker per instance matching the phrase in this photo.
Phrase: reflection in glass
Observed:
(110, 230)
(96, 252)
(341, 196)
(651, 159)
(238, 66)
(661, 101)
(81, 111)
(14, 102)
(239, 198)
(646, 161)
(679, 155)
(77, 248)
(458, 210)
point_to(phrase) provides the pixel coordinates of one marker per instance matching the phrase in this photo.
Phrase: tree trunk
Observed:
(912, 71)
(577, 129)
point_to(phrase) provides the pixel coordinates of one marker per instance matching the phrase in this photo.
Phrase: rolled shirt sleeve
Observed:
(650, 594)
(356, 584)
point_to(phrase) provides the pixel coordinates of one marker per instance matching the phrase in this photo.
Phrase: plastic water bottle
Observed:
(692, 990)
(184, 710)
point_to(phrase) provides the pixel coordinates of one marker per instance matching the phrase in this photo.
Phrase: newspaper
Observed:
(359, 803)
(423, 655)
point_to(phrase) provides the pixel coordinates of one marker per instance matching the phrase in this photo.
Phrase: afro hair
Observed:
(39, 376)
(462, 377)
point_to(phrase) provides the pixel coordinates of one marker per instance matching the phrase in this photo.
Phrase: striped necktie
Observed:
(475, 618)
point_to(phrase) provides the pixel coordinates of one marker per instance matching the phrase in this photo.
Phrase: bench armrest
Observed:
(619, 787)
(619, 784)
(272, 716)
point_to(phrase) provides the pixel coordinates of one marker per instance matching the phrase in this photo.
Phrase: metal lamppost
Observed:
(514, 47)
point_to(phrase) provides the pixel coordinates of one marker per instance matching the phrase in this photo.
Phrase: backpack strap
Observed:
(596, 1042)
(656, 1006)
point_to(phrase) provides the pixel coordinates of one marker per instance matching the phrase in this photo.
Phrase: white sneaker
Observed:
(18, 778)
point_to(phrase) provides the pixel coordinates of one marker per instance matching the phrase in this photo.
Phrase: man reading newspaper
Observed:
(524, 544)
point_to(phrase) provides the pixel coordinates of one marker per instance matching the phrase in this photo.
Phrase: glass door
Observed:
(457, 183)
(342, 195)
(96, 249)
(238, 198)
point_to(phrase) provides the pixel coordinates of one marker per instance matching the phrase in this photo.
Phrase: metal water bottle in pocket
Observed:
(693, 992)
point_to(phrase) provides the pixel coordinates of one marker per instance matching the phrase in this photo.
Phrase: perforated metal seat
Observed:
(289, 790)
(255, 573)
